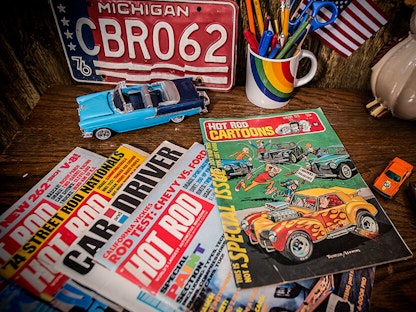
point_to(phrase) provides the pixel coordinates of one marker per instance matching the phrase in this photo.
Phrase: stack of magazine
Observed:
(268, 214)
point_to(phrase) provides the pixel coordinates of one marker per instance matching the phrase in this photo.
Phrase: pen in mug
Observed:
(251, 40)
(274, 51)
(265, 41)
(267, 19)
(275, 41)
(276, 26)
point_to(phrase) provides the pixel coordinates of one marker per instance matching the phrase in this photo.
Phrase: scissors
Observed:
(313, 8)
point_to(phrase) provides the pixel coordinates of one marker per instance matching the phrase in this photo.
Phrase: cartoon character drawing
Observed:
(294, 126)
(283, 129)
(245, 153)
(305, 125)
(263, 178)
(323, 202)
(260, 147)
(318, 152)
(291, 187)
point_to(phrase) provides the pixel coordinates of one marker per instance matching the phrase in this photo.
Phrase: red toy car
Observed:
(390, 180)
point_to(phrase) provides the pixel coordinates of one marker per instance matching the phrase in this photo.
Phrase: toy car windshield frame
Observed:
(117, 98)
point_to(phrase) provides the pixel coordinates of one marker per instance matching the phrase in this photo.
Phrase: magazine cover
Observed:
(77, 261)
(169, 243)
(292, 203)
(31, 265)
(42, 200)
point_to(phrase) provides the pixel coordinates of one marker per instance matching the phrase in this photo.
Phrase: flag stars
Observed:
(61, 8)
(72, 46)
(342, 4)
(68, 34)
(64, 21)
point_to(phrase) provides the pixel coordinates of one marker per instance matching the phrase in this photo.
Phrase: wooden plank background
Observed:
(32, 58)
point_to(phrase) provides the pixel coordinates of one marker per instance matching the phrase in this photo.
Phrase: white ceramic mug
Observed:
(270, 82)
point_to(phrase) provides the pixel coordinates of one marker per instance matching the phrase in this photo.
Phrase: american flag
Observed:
(357, 21)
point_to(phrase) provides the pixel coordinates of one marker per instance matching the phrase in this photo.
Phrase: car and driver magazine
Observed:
(29, 261)
(292, 203)
(77, 261)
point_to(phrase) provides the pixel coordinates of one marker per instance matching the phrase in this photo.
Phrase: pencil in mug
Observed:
(259, 16)
(294, 38)
(299, 45)
(250, 16)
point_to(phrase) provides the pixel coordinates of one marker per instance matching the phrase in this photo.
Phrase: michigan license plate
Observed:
(144, 41)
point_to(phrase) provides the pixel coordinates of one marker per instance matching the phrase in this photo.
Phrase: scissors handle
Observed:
(319, 22)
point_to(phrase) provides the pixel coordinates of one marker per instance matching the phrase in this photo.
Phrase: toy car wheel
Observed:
(292, 158)
(178, 119)
(299, 247)
(344, 171)
(103, 134)
(366, 222)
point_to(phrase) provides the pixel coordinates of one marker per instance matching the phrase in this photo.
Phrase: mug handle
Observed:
(314, 66)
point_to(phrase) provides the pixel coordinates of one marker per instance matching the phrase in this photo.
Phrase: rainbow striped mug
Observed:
(270, 82)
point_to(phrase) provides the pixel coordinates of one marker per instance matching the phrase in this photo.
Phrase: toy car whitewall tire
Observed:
(178, 119)
(103, 134)
(299, 247)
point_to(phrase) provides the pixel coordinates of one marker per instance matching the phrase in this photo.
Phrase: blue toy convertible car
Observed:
(127, 108)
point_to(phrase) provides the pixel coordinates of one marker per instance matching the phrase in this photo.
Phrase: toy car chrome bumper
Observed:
(86, 134)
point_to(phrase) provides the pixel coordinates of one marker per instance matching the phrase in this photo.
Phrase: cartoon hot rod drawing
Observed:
(313, 215)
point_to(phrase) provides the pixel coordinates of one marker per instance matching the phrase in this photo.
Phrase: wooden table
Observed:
(51, 132)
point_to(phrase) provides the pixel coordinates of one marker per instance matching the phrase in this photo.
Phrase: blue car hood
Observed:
(94, 105)
(330, 157)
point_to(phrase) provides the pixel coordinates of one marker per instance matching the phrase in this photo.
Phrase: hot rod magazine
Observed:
(31, 264)
(77, 261)
(169, 240)
(22, 219)
(175, 243)
(292, 203)
(47, 196)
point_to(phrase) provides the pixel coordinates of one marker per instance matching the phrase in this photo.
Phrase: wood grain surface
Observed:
(51, 132)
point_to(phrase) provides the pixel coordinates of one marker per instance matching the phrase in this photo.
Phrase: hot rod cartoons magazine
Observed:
(292, 203)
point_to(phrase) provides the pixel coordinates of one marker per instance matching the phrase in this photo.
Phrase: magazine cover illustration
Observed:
(293, 200)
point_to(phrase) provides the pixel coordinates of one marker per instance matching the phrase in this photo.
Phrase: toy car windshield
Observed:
(395, 177)
(170, 94)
